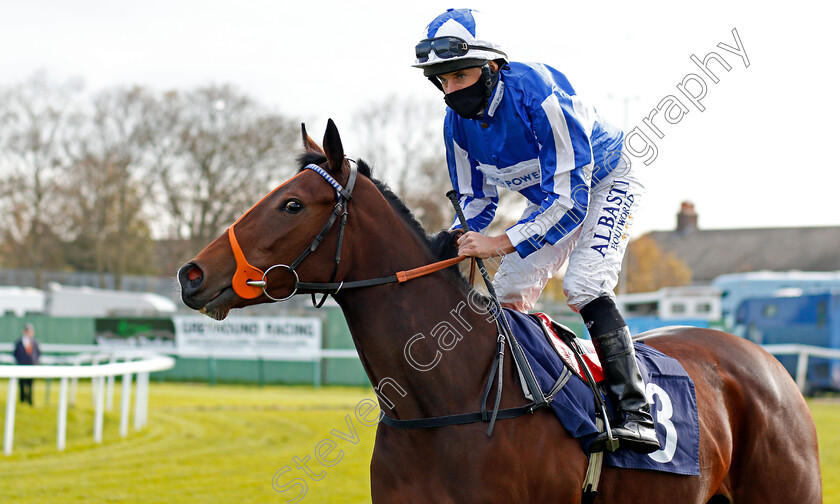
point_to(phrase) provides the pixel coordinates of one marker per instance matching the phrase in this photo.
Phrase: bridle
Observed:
(250, 282)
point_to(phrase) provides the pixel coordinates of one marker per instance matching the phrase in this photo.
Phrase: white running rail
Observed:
(145, 364)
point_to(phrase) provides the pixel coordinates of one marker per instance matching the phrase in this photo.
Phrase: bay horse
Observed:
(758, 442)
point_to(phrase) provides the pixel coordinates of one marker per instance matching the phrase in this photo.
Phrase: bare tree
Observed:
(107, 185)
(36, 116)
(86, 180)
(403, 138)
(220, 151)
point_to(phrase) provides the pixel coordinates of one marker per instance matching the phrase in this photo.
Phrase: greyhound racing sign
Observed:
(276, 338)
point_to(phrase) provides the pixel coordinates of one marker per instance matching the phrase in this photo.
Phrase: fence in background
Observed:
(89, 366)
(803, 353)
(336, 364)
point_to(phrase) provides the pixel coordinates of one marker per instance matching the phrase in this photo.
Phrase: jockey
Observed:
(520, 126)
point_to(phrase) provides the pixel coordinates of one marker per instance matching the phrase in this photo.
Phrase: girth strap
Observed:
(463, 418)
(483, 415)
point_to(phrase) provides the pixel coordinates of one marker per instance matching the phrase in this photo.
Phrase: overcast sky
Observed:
(759, 155)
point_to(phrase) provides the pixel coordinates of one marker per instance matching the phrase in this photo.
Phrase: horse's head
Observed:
(261, 255)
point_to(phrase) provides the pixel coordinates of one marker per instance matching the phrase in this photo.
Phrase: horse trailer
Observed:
(812, 320)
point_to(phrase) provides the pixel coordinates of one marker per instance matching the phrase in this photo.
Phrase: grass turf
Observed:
(202, 445)
(227, 444)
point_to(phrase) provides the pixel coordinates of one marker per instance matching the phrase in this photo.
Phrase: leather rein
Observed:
(250, 282)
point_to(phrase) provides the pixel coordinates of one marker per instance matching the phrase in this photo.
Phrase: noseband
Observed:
(250, 282)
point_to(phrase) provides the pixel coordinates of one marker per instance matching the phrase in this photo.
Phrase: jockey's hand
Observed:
(474, 244)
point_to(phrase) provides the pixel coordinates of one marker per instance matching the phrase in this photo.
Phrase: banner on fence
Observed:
(275, 338)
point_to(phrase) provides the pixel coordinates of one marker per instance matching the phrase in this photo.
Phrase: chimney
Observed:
(687, 218)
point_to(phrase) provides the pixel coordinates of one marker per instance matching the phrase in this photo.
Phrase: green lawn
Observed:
(202, 445)
(827, 417)
(227, 444)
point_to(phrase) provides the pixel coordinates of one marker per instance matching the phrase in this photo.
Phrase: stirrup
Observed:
(632, 440)
(606, 439)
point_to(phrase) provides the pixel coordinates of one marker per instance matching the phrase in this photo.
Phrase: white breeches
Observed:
(594, 250)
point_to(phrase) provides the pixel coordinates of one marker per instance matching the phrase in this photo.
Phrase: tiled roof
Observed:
(713, 252)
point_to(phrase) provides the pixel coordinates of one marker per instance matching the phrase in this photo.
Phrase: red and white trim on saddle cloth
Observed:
(590, 357)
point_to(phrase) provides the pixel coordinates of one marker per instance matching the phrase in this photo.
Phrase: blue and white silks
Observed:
(537, 137)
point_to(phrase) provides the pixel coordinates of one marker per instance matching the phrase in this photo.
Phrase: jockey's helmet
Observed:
(454, 41)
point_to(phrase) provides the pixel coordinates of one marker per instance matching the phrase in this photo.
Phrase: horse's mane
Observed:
(442, 244)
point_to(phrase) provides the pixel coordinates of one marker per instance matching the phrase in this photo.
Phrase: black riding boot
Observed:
(634, 426)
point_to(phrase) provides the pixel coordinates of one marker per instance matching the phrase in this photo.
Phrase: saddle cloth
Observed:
(669, 389)
(590, 357)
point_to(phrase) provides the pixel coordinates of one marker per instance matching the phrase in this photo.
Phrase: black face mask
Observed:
(469, 102)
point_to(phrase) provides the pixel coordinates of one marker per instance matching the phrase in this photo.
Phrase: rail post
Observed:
(98, 384)
(62, 414)
(802, 370)
(11, 403)
(125, 404)
(140, 397)
(109, 398)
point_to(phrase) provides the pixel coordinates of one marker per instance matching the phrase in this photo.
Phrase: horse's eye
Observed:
(291, 206)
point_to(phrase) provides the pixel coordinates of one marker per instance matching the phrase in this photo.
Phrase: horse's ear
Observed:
(308, 143)
(333, 148)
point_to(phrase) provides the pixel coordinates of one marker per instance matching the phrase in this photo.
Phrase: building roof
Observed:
(713, 252)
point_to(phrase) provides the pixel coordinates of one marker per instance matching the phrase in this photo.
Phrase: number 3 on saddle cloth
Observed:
(669, 390)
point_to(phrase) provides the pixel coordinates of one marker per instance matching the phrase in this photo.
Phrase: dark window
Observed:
(641, 309)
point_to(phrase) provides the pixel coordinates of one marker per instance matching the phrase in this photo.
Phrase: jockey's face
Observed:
(460, 79)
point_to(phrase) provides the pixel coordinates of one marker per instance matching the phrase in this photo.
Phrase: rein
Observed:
(250, 282)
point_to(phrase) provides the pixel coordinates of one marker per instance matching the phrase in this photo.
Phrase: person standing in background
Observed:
(27, 353)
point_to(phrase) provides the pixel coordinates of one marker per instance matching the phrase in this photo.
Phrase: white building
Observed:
(21, 301)
(63, 301)
(672, 303)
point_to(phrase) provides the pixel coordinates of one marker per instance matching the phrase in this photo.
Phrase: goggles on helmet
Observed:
(446, 47)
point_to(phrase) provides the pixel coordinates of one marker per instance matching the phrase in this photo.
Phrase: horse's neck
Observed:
(426, 345)
(426, 348)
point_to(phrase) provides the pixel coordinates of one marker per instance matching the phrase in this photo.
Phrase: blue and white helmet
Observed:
(453, 41)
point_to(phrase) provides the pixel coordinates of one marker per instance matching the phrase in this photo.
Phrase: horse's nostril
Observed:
(193, 274)
(191, 277)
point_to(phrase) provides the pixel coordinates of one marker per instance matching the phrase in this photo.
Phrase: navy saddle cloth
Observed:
(668, 387)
